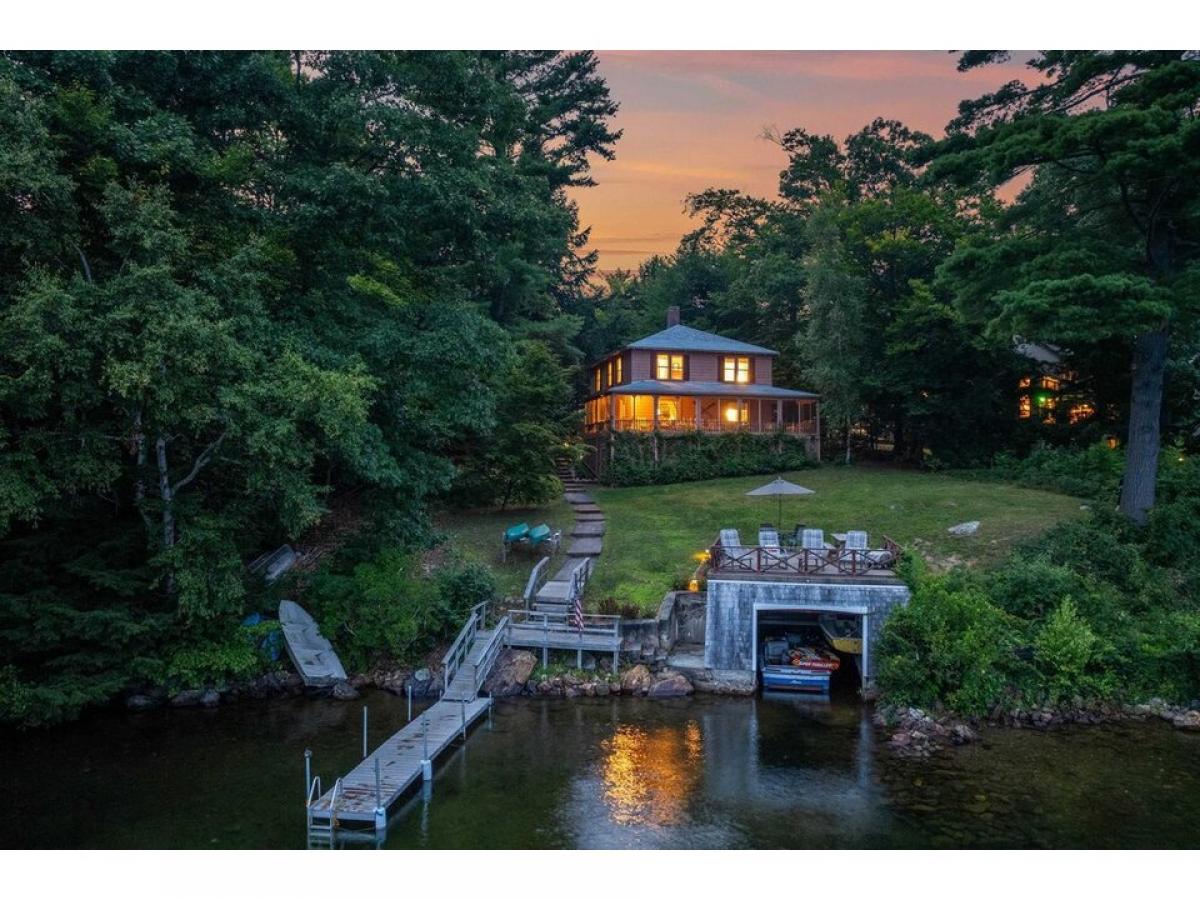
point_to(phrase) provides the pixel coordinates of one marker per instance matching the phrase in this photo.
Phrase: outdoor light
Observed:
(731, 414)
(693, 585)
(702, 557)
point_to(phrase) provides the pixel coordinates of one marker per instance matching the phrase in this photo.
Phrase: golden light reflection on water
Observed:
(650, 774)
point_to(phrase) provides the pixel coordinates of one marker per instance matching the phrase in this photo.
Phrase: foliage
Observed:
(700, 456)
(387, 610)
(1093, 471)
(1102, 245)
(239, 284)
(1091, 611)
(535, 418)
(212, 663)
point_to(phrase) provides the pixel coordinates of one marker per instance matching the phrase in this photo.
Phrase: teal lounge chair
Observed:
(513, 536)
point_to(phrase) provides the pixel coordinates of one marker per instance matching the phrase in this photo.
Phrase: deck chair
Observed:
(813, 539)
(768, 537)
(853, 551)
(513, 536)
(543, 538)
(855, 540)
(730, 539)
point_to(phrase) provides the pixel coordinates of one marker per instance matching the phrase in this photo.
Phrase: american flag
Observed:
(576, 618)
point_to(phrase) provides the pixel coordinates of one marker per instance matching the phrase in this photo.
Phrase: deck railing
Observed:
(560, 625)
(798, 561)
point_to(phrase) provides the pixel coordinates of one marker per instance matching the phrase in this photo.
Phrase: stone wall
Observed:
(729, 626)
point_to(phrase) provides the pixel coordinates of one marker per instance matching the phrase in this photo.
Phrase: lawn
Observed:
(476, 535)
(653, 531)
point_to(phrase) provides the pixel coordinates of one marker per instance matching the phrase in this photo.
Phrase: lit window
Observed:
(1049, 384)
(736, 369)
(620, 373)
(1024, 383)
(1024, 408)
(1080, 412)
(596, 380)
(610, 373)
(668, 367)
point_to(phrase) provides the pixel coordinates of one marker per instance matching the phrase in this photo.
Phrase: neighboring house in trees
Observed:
(682, 379)
(1049, 393)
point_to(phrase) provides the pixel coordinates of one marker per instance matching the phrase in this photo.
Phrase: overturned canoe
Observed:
(311, 653)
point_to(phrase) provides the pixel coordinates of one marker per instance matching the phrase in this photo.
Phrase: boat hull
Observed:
(794, 678)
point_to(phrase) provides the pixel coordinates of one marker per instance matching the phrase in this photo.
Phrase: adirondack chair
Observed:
(512, 537)
(813, 539)
(853, 550)
(768, 537)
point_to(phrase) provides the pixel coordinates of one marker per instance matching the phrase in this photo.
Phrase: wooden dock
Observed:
(366, 794)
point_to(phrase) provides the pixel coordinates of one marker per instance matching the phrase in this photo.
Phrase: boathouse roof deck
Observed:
(803, 564)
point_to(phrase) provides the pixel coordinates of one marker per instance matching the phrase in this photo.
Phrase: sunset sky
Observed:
(694, 120)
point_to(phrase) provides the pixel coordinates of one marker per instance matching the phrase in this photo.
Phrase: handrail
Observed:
(461, 647)
(490, 651)
(333, 799)
(314, 791)
(559, 622)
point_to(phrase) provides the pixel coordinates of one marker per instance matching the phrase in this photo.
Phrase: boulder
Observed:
(602, 689)
(140, 702)
(964, 528)
(187, 698)
(635, 680)
(1189, 721)
(510, 674)
(343, 690)
(210, 698)
(671, 686)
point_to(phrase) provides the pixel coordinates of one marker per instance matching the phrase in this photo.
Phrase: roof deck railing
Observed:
(834, 561)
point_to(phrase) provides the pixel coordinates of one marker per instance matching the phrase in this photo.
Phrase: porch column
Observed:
(760, 418)
(612, 412)
(779, 415)
(655, 413)
(737, 421)
(697, 411)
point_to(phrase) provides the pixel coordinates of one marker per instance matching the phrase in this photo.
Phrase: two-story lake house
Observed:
(683, 379)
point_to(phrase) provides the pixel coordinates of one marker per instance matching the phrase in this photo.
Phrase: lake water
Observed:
(623, 773)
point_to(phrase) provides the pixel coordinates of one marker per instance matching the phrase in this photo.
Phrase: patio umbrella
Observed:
(779, 488)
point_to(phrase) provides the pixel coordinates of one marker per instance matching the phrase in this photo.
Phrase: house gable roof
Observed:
(681, 337)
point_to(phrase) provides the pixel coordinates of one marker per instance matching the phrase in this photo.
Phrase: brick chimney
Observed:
(672, 316)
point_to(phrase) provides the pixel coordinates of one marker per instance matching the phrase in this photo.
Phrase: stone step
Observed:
(586, 508)
(588, 529)
(578, 498)
(585, 546)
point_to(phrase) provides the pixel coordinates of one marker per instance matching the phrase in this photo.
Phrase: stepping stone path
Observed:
(586, 542)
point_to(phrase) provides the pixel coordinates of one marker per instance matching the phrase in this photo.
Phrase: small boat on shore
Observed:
(311, 652)
(796, 668)
(844, 635)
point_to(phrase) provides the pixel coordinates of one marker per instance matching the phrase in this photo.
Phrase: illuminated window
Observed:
(736, 369)
(668, 411)
(1024, 383)
(668, 367)
(620, 373)
(1080, 412)
(732, 415)
(609, 374)
(596, 380)
(1046, 402)
(1024, 407)
(1049, 384)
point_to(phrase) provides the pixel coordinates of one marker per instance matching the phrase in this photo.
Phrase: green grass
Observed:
(475, 535)
(653, 531)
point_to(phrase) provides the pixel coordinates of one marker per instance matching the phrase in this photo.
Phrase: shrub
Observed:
(642, 459)
(1094, 471)
(386, 609)
(1064, 647)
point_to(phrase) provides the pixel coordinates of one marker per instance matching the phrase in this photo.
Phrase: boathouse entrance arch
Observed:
(861, 612)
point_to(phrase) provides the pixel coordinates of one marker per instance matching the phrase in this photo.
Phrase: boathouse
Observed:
(753, 590)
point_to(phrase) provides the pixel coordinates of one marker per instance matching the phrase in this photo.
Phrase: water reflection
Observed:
(649, 775)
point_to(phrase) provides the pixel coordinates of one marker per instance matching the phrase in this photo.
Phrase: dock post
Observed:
(579, 658)
(426, 764)
(380, 812)
(409, 689)
(462, 715)
(307, 772)
(491, 701)
(364, 731)
(545, 660)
